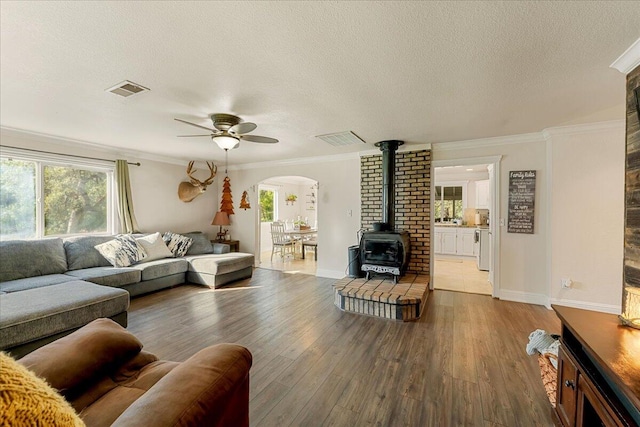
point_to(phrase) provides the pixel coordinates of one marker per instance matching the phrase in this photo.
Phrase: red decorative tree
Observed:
(227, 201)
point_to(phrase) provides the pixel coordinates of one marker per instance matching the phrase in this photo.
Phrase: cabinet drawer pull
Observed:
(571, 384)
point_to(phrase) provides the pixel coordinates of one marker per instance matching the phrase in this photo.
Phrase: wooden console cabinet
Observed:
(598, 370)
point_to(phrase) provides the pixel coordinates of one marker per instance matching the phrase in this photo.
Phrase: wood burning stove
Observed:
(386, 250)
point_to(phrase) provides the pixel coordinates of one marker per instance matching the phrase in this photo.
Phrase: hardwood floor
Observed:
(462, 363)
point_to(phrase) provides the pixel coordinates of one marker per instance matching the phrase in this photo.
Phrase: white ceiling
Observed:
(417, 71)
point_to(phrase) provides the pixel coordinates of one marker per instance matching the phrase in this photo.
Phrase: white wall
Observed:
(586, 221)
(338, 193)
(154, 185)
(579, 213)
(156, 203)
(522, 266)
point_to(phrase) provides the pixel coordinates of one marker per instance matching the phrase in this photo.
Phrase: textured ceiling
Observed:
(418, 71)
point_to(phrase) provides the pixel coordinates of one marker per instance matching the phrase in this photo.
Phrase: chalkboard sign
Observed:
(522, 197)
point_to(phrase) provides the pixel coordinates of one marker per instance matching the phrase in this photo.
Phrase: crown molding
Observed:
(583, 129)
(488, 142)
(78, 143)
(629, 60)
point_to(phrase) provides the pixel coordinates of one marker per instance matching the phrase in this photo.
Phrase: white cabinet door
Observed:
(482, 194)
(449, 242)
(465, 241)
(437, 241)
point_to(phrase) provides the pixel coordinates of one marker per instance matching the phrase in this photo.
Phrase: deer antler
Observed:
(213, 169)
(195, 181)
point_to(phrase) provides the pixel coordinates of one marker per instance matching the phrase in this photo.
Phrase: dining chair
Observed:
(311, 243)
(281, 243)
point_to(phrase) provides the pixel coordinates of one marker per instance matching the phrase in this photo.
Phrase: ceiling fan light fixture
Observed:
(226, 142)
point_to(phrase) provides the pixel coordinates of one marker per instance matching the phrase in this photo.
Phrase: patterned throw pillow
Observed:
(177, 243)
(122, 251)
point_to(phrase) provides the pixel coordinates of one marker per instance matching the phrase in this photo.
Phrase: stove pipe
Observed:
(388, 149)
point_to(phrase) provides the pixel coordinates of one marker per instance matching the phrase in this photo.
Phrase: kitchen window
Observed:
(448, 203)
(51, 196)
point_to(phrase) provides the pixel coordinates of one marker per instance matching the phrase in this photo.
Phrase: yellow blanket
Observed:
(27, 400)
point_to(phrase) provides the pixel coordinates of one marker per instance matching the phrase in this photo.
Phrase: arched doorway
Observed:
(293, 201)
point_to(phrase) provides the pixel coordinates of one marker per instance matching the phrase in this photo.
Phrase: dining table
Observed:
(300, 236)
(301, 233)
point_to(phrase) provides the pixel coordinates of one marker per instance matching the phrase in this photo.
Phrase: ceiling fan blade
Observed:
(257, 138)
(189, 136)
(198, 126)
(241, 128)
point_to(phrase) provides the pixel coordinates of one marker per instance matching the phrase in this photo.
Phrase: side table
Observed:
(234, 245)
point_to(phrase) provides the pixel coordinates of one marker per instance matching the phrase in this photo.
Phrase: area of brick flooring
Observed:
(382, 298)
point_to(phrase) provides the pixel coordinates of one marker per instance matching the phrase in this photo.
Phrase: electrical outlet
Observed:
(349, 212)
(501, 222)
(566, 283)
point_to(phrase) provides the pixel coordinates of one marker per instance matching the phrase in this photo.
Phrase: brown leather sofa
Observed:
(103, 373)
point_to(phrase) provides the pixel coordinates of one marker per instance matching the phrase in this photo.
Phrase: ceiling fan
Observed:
(229, 130)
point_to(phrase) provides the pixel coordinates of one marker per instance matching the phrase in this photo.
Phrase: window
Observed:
(45, 197)
(267, 205)
(448, 203)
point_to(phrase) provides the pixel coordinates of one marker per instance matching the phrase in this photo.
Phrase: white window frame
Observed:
(45, 159)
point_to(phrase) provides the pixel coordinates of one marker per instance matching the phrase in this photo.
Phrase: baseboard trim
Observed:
(526, 297)
(330, 274)
(585, 305)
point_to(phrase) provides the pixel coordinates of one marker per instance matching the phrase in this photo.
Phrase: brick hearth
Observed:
(381, 298)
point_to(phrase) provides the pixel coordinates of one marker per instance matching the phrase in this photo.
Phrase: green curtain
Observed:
(128, 223)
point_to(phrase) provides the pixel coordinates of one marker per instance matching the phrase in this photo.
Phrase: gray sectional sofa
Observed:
(51, 287)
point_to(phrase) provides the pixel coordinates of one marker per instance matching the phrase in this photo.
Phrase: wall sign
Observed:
(522, 197)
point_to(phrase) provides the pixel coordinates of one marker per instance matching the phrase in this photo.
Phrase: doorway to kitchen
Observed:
(291, 201)
(463, 200)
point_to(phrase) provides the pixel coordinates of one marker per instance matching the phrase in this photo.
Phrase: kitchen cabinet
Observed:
(482, 194)
(454, 241)
(445, 240)
(465, 241)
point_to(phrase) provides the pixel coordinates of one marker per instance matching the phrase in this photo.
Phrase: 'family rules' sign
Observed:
(522, 197)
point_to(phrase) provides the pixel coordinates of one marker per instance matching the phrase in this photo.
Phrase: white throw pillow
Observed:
(155, 247)
(122, 251)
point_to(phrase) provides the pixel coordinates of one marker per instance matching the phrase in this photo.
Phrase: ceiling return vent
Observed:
(126, 88)
(341, 139)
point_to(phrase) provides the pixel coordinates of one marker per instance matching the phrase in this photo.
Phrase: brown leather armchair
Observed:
(103, 373)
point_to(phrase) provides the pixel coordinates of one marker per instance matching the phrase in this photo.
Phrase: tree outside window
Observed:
(74, 201)
(38, 199)
(448, 203)
(17, 199)
(267, 211)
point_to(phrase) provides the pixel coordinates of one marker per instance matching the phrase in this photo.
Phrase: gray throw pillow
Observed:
(82, 253)
(200, 245)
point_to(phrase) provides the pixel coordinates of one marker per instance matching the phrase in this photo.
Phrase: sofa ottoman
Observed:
(33, 317)
(215, 270)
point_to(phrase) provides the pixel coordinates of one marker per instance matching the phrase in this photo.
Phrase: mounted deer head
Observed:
(187, 191)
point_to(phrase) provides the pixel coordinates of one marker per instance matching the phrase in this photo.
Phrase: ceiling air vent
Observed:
(341, 139)
(127, 88)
